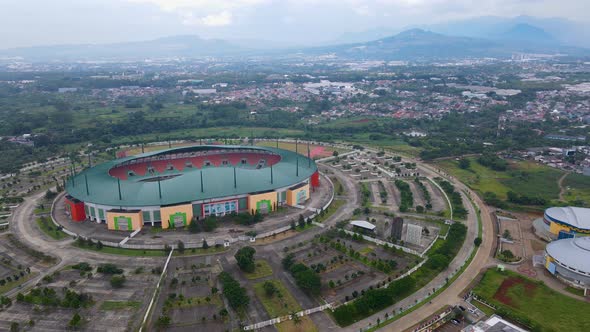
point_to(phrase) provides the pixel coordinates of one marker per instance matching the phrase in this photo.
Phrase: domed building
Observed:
(170, 188)
(570, 259)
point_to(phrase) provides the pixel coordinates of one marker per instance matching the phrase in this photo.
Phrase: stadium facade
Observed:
(565, 222)
(569, 259)
(170, 188)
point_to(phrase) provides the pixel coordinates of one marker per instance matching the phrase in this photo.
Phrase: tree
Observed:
(269, 288)
(117, 281)
(437, 262)
(335, 153)
(180, 246)
(163, 322)
(99, 245)
(507, 254)
(245, 259)
(477, 241)
(306, 278)
(76, 321)
(293, 225)
(205, 245)
(195, 226)
(235, 294)
(464, 163)
(109, 268)
(14, 327)
(301, 221)
(296, 318)
(419, 209)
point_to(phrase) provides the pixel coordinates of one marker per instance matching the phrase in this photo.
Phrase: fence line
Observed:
(277, 320)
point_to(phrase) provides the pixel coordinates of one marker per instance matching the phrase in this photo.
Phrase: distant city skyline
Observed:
(34, 22)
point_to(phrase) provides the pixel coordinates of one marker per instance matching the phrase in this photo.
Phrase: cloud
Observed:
(210, 13)
(217, 20)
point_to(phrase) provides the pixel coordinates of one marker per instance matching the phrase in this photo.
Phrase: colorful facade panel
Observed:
(262, 203)
(119, 220)
(176, 216)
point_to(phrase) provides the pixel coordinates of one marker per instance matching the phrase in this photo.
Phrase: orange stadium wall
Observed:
(180, 215)
(259, 201)
(120, 220)
(292, 195)
(315, 179)
(76, 209)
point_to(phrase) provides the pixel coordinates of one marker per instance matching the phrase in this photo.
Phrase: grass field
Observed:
(533, 300)
(49, 228)
(152, 253)
(118, 305)
(10, 285)
(336, 204)
(262, 270)
(285, 304)
(577, 188)
(522, 177)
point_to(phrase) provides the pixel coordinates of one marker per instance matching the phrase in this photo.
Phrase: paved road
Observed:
(24, 228)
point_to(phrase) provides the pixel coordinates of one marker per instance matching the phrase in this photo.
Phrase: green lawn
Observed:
(49, 228)
(366, 251)
(336, 204)
(189, 302)
(153, 253)
(118, 305)
(575, 291)
(282, 305)
(522, 177)
(262, 270)
(577, 188)
(42, 211)
(277, 305)
(10, 285)
(533, 300)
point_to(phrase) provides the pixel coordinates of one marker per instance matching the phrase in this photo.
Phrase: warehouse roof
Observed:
(185, 186)
(363, 224)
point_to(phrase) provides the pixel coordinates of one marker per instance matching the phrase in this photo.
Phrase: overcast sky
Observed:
(47, 22)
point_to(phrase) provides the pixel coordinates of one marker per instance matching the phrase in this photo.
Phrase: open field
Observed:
(522, 177)
(47, 227)
(151, 252)
(533, 300)
(262, 270)
(282, 305)
(577, 188)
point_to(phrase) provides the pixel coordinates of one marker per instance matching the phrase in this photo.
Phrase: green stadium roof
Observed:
(218, 182)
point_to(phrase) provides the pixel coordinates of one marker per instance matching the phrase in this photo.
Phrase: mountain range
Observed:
(486, 37)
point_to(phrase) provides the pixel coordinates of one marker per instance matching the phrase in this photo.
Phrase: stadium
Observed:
(172, 187)
(569, 259)
(565, 222)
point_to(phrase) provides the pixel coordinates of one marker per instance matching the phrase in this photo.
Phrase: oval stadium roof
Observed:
(574, 216)
(185, 187)
(573, 252)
